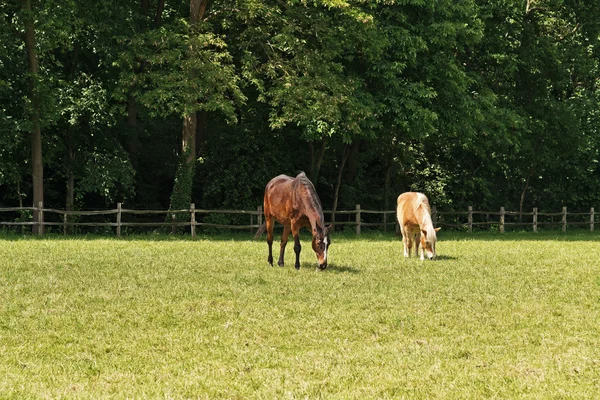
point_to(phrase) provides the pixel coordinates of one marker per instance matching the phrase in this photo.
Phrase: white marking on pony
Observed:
(325, 241)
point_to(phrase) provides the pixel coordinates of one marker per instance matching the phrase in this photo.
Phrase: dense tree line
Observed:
(159, 103)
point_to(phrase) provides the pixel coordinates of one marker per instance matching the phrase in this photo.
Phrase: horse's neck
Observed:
(311, 207)
(316, 221)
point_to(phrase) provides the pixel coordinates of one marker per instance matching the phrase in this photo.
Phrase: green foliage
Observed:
(174, 70)
(487, 103)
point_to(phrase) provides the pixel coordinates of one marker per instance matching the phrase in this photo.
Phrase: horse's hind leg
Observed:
(406, 241)
(269, 221)
(284, 240)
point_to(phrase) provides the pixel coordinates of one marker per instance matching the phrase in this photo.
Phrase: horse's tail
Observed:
(261, 230)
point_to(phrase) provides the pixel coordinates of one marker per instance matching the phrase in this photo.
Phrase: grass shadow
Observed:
(443, 257)
(342, 269)
(338, 269)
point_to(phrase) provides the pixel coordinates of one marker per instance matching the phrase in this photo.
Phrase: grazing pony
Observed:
(414, 217)
(294, 203)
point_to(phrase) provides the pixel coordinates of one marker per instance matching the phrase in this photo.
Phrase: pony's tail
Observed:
(261, 230)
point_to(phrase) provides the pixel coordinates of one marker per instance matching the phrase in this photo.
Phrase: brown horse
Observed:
(294, 203)
(414, 217)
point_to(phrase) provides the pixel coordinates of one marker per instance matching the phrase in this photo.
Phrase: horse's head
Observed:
(428, 242)
(320, 244)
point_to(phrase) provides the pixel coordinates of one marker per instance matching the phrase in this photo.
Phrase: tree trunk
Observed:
(188, 137)
(36, 132)
(159, 10)
(200, 131)
(352, 163)
(19, 193)
(386, 189)
(182, 188)
(522, 200)
(133, 142)
(339, 181)
(316, 159)
(145, 5)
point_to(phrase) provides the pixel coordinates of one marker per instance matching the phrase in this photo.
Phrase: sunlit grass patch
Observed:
(516, 317)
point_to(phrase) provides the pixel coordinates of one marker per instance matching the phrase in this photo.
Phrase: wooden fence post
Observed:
(385, 221)
(65, 219)
(470, 218)
(501, 219)
(535, 219)
(564, 219)
(592, 219)
(118, 219)
(193, 219)
(358, 219)
(41, 218)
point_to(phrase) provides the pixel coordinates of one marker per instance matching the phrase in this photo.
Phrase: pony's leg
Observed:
(297, 246)
(269, 222)
(418, 245)
(405, 241)
(284, 240)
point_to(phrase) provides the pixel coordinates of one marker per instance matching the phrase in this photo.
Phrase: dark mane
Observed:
(315, 203)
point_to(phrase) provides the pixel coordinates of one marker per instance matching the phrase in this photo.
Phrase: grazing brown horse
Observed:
(294, 203)
(414, 217)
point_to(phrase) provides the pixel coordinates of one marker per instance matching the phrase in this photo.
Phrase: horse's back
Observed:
(286, 197)
(407, 203)
(284, 187)
(276, 189)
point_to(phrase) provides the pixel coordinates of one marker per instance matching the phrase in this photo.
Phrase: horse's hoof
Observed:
(297, 266)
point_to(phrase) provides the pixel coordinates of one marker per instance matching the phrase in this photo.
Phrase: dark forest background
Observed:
(158, 103)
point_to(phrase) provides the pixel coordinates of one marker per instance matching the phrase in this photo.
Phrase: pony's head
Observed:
(320, 244)
(428, 240)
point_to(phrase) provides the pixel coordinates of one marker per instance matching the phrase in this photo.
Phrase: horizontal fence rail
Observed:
(388, 218)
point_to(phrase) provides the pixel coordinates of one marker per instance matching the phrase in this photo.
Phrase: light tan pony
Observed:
(414, 217)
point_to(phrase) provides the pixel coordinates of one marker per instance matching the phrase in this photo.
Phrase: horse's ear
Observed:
(329, 228)
(437, 230)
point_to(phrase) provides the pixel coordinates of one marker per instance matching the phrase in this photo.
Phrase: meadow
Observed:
(496, 316)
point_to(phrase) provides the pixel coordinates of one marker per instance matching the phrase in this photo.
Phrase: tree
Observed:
(34, 111)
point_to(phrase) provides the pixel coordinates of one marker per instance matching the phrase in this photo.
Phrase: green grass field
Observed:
(496, 316)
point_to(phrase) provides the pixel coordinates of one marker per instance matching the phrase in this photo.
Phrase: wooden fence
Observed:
(387, 218)
(502, 223)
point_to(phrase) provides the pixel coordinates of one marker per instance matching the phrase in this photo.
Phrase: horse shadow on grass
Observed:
(332, 268)
(443, 257)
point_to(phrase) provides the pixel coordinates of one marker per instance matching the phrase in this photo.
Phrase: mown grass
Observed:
(497, 316)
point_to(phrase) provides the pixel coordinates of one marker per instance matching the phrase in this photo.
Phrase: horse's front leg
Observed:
(418, 245)
(284, 240)
(297, 246)
(269, 222)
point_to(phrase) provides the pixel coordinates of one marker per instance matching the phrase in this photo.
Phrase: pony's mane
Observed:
(426, 222)
(315, 202)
